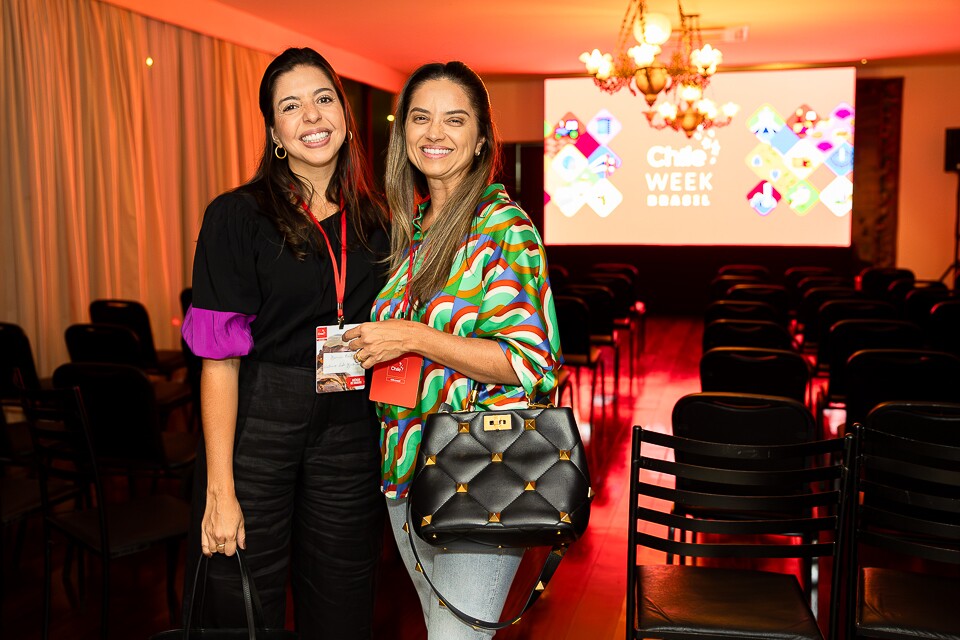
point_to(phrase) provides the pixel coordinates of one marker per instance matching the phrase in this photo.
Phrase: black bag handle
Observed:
(550, 565)
(251, 599)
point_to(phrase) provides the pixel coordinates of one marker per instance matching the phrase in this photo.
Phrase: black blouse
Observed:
(251, 296)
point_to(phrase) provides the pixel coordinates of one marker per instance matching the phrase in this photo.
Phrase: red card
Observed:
(397, 382)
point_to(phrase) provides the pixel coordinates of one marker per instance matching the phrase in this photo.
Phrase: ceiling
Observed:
(546, 37)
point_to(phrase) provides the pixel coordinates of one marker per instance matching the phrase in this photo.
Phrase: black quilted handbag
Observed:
(489, 479)
(251, 606)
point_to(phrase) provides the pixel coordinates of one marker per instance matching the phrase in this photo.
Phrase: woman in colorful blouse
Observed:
(289, 472)
(469, 294)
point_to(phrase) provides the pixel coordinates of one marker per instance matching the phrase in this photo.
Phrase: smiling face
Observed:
(309, 121)
(442, 133)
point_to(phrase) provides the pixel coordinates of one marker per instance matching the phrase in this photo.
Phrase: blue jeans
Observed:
(477, 583)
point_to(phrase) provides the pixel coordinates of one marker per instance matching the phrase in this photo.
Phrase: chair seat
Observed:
(900, 604)
(133, 526)
(170, 360)
(171, 394)
(578, 360)
(20, 497)
(685, 601)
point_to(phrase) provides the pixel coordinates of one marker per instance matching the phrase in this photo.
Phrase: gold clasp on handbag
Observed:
(496, 422)
(536, 405)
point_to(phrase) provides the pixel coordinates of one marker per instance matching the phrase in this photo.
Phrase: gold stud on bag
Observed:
(546, 465)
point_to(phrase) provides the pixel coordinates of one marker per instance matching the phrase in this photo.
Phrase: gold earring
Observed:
(276, 151)
(350, 135)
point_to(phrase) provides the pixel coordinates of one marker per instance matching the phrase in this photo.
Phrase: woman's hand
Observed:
(381, 341)
(222, 528)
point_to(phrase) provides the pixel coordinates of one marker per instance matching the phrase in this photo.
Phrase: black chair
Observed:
(721, 284)
(134, 316)
(833, 311)
(125, 421)
(772, 372)
(757, 270)
(684, 601)
(116, 344)
(875, 281)
(573, 318)
(602, 302)
(943, 328)
(625, 320)
(743, 310)
(638, 309)
(908, 483)
(746, 333)
(809, 310)
(792, 277)
(919, 302)
(773, 294)
(66, 456)
(16, 356)
(886, 375)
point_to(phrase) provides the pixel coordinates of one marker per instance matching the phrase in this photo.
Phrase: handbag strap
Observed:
(251, 599)
(550, 565)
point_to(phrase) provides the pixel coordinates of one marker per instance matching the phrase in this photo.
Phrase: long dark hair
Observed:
(405, 182)
(279, 189)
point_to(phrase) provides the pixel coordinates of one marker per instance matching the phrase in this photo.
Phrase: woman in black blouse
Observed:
(291, 454)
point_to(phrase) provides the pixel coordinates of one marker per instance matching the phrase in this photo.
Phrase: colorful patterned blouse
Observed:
(498, 288)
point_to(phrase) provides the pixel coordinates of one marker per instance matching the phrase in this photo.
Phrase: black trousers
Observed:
(307, 476)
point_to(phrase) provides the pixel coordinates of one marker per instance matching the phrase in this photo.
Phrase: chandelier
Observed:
(679, 86)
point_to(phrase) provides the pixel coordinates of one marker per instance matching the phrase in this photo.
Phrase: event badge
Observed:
(336, 368)
(397, 382)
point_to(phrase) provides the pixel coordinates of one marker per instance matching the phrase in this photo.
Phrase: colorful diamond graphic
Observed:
(604, 162)
(570, 199)
(841, 160)
(763, 198)
(587, 144)
(765, 122)
(803, 158)
(803, 119)
(766, 163)
(784, 140)
(604, 127)
(604, 198)
(838, 196)
(569, 163)
(802, 197)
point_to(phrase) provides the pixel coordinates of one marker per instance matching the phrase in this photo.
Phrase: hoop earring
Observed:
(350, 136)
(276, 151)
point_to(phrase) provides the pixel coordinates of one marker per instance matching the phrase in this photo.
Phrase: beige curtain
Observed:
(107, 163)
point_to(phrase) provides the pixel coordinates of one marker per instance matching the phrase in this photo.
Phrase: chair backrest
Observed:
(847, 337)
(793, 275)
(743, 310)
(919, 302)
(773, 294)
(15, 356)
(875, 281)
(757, 270)
(884, 375)
(601, 300)
(833, 311)
(623, 268)
(122, 410)
(746, 333)
(774, 372)
(130, 314)
(63, 448)
(721, 284)
(907, 486)
(573, 318)
(107, 343)
(943, 329)
(809, 479)
(622, 287)
(742, 418)
(813, 299)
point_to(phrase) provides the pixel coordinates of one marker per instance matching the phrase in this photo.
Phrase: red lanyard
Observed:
(339, 273)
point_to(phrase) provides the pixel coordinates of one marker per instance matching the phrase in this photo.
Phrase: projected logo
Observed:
(802, 159)
(578, 164)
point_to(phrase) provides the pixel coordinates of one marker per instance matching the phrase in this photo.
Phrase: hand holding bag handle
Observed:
(253, 610)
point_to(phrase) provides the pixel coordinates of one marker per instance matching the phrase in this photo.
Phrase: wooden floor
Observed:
(585, 600)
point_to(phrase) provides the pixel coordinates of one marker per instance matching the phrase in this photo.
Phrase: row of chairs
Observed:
(758, 491)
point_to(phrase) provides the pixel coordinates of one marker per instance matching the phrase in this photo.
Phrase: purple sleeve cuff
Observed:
(217, 334)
